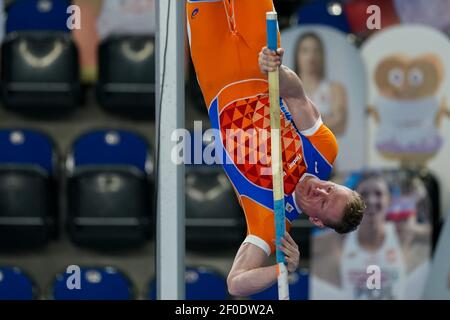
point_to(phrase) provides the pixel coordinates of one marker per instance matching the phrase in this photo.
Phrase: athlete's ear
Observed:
(317, 222)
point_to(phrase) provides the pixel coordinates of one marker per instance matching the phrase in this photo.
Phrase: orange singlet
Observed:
(225, 38)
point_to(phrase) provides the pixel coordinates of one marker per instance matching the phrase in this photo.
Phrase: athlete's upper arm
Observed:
(304, 113)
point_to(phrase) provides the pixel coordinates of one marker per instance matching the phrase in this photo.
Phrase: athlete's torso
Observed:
(225, 39)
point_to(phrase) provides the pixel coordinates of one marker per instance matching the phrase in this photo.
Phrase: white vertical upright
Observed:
(170, 240)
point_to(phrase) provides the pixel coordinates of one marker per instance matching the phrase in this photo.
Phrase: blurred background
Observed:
(77, 137)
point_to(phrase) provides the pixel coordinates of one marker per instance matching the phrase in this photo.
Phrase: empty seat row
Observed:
(40, 73)
(108, 175)
(108, 283)
(40, 62)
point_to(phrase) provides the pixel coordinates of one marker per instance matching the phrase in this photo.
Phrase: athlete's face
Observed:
(322, 201)
(375, 193)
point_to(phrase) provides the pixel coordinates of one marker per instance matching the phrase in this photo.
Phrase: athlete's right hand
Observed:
(291, 252)
(270, 60)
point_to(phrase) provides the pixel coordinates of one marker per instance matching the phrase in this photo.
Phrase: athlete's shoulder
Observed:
(325, 142)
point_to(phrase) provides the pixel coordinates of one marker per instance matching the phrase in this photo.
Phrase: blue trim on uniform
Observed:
(272, 34)
(315, 162)
(280, 227)
(310, 154)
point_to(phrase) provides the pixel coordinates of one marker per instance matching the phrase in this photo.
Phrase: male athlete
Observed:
(226, 37)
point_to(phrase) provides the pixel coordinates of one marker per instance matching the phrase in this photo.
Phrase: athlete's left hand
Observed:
(291, 252)
(269, 60)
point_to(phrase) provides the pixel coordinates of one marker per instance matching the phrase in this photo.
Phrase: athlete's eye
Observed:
(323, 204)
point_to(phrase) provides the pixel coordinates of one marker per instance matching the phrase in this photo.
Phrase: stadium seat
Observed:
(298, 288)
(40, 72)
(106, 283)
(110, 192)
(201, 284)
(37, 15)
(15, 285)
(324, 12)
(214, 218)
(126, 81)
(28, 201)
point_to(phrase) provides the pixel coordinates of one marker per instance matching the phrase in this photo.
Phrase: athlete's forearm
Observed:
(253, 281)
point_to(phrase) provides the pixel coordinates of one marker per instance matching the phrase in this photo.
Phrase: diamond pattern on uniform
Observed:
(245, 128)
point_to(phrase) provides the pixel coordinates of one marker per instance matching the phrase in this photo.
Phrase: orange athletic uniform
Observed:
(225, 38)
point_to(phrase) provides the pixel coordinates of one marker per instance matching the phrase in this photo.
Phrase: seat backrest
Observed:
(105, 283)
(37, 15)
(26, 147)
(15, 285)
(111, 148)
(201, 284)
(127, 59)
(205, 284)
(209, 194)
(39, 57)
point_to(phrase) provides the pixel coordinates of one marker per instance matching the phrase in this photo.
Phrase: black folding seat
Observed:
(28, 200)
(110, 190)
(126, 81)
